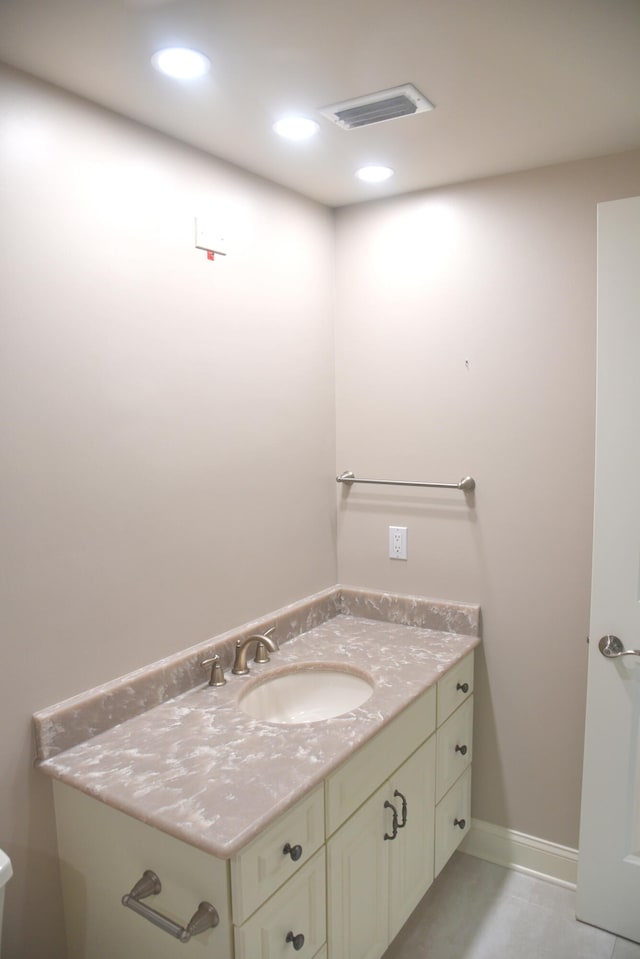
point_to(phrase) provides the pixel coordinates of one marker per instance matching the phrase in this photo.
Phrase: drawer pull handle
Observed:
(394, 823)
(294, 851)
(403, 799)
(205, 917)
(298, 941)
(464, 687)
(462, 750)
(460, 822)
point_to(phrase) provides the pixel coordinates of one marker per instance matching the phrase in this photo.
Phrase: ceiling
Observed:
(516, 83)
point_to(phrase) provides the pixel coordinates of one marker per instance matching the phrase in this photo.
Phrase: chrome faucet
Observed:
(264, 643)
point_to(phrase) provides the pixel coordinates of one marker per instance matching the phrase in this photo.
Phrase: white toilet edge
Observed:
(6, 871)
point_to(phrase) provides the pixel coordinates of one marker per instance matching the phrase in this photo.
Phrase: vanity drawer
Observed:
(297, 909)
(455, 687)
(263, 866)
(454, 747)
(452, 812)
(357, 778)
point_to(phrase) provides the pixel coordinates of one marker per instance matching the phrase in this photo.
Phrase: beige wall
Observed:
(499, 275)
(168, 425)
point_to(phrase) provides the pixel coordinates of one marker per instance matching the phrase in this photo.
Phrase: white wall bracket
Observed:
(209, 238)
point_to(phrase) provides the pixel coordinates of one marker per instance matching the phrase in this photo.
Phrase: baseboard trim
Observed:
(516, 850)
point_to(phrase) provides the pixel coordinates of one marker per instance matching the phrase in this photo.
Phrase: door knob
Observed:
(611, 647)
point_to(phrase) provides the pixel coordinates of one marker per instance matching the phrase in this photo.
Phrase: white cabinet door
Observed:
(357, 883)
(412, 790)
(380, 862)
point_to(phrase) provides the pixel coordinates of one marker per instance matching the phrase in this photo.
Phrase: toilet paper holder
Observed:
(205, 917)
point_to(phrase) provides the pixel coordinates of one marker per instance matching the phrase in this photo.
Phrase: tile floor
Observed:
(480, 911)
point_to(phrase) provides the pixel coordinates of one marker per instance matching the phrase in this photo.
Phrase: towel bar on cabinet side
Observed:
(468, 484)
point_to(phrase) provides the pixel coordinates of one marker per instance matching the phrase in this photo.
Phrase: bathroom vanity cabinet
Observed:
(334, 877)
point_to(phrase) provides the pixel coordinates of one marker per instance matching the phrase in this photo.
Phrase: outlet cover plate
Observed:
(398, 542)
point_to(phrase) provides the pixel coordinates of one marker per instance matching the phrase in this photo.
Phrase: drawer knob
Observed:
(462, 750)
(294, 851)
(460, 822)
(464, 687)
(297, 941)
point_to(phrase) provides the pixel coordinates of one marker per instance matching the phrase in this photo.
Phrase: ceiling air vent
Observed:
(401, 101)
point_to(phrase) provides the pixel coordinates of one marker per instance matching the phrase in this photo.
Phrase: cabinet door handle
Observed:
(403, 800)
(298, 941)
(205, 917)
(463, 687)
(394, 822)
(460, 822)
(294, 851)
(462, 750)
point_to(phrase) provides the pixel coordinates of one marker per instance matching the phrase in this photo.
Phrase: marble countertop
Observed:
(197, 767)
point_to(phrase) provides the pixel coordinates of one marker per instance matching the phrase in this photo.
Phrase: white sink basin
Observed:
(306, 694)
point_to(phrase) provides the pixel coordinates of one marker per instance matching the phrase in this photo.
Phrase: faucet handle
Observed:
(217, 672)
(262, 653)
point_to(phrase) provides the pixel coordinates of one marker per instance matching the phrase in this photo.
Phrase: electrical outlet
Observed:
(397, 542)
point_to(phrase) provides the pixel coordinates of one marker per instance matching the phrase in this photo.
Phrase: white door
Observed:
(609, 863)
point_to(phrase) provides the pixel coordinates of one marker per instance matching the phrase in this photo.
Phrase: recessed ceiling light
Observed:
(296, 128)
(181, 63)
(374, 174)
